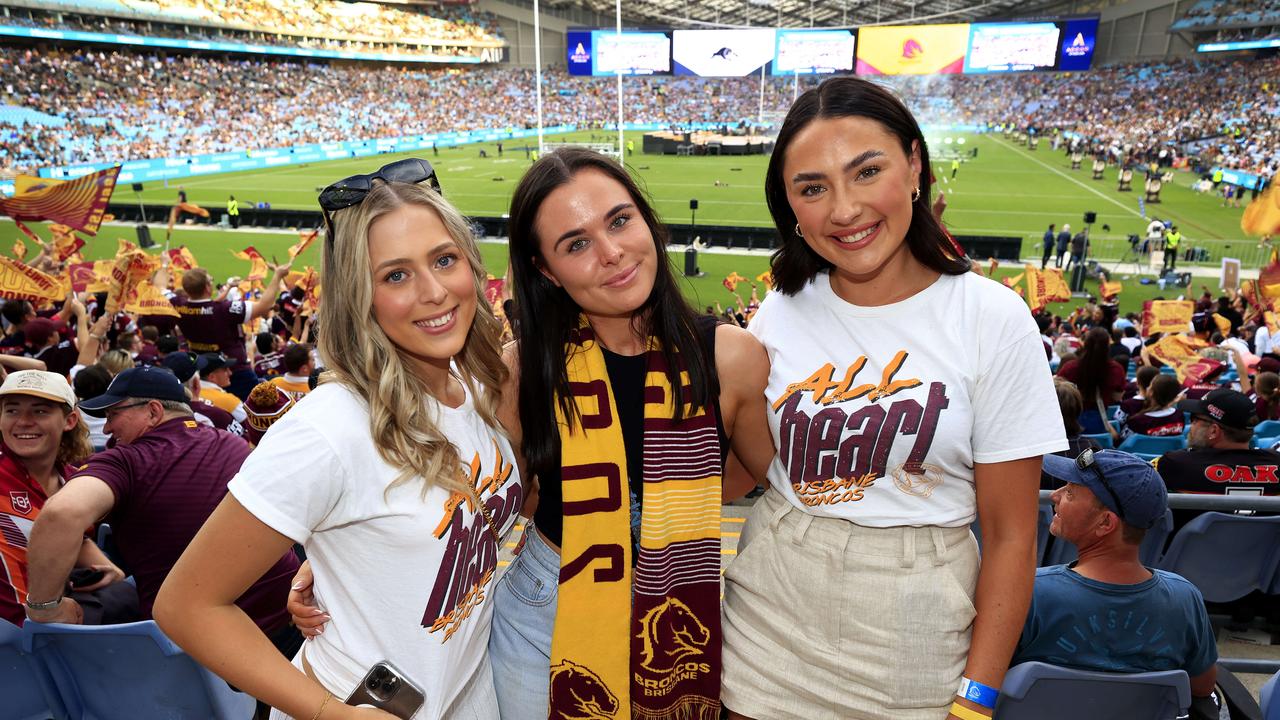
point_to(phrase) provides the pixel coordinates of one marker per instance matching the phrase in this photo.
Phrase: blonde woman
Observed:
(393, 475)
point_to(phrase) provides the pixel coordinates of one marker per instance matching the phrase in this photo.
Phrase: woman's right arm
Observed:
(509, 416)
(196, 608)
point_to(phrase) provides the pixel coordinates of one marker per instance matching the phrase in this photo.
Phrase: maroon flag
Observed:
(79, 204)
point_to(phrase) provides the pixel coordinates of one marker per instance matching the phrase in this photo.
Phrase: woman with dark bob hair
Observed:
(613, 601)
(907, 397)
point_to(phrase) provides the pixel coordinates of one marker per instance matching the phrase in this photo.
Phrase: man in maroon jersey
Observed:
(156, 487)
(217, 325)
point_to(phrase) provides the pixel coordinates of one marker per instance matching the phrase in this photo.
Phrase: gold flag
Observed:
(147, 299)
(1166, 316)
(23, 282)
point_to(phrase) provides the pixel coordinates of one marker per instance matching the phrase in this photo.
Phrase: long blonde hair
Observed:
(361, 356)
(75, 445)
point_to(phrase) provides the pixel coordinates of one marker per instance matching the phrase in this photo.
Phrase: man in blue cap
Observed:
(156, 487)
(1106, 611)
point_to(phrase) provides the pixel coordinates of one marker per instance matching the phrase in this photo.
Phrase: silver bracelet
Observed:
(47, 605)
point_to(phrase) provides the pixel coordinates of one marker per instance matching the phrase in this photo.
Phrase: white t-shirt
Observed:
(406, 579)
(1262, 340)
(879, 413)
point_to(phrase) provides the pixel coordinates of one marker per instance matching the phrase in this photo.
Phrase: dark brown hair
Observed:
(546, 316)
(795, 264)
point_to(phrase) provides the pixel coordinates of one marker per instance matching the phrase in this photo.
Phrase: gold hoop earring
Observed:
(915, 195)
(798, 232)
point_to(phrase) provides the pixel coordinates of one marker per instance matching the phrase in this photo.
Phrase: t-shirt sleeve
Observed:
(1015, 408)
(1203, 652)
(293, 481)
(238, 311)
(111, 467)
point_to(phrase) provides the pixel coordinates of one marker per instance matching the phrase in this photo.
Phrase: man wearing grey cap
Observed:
(1106, 611)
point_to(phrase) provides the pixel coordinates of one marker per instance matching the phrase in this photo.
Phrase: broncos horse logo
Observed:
(579, 694)
(670, 632)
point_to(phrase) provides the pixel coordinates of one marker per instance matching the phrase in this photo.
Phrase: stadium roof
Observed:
(802, 13)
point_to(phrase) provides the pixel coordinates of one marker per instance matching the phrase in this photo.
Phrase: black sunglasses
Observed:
(352, 190)
(1086, 461)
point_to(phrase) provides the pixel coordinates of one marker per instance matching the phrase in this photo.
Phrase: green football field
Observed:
(1006, 190)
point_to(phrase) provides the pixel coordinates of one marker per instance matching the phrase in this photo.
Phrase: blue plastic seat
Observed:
(1038, 691)
(1103, 439)
(1270, 698)
(129, 671)
(26, 688)
(1266, 428)
(1156, 445)
(1226, 556)
(1063, 552)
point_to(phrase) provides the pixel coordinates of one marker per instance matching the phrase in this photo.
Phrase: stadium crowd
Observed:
(153, 29)
(295, 20)
(120, 105)
(172, 394)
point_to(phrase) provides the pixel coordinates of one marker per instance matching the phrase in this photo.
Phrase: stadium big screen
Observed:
(809, 52)
(606, 52)
(1059, 44)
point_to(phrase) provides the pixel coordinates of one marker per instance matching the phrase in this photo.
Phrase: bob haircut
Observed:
(547, 317)
(794, 263)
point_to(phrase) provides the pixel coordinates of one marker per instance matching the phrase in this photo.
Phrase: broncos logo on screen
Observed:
(586, 694)
(671, 632)
(912, 49)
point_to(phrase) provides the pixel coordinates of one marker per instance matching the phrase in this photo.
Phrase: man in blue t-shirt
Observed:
(1106, 611)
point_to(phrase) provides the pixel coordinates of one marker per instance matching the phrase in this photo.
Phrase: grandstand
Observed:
(267, 102)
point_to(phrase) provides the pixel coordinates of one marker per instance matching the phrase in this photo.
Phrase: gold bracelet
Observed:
(329, 696)
(958, 710)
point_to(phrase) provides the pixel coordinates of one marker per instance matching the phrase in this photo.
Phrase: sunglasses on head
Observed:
(353, 190)
(1087, 461)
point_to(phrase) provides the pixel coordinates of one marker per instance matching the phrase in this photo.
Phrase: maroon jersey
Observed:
(59, 358)
(214, 326)
(269, 365)
(166, 484)
(21, 499)
(1167, 422)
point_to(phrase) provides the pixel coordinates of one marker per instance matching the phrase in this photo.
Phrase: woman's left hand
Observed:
(110, 575)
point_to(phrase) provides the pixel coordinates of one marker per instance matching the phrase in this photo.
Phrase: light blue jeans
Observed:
(524, 617)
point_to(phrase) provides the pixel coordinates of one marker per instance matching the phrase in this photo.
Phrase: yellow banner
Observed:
(1178, 351)
(1110, 288)
(1166, 316)
(22, 282)
(912, 49)
(129, 270)
(147, 299)
(1262, 217)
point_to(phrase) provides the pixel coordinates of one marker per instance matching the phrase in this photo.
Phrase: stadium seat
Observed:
(1226, 556)
(1103, 439)
(124, 672)
(1267, 428)
(1038, 691)
(1149, 552)
(1152, 445)
(27, 690)
(1270, 698)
